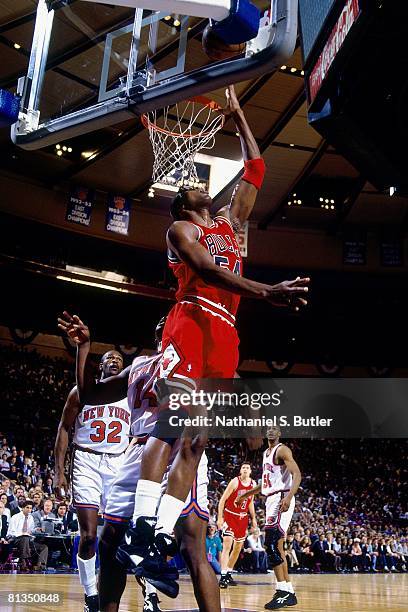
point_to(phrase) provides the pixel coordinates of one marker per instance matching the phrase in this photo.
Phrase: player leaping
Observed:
(200, 339)
(281, 478)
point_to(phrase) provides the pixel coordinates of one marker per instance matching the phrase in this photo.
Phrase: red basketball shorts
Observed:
(235, 525)
(198, 344)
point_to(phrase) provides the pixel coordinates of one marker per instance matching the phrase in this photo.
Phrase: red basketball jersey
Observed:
(243, 506)
(220, 242)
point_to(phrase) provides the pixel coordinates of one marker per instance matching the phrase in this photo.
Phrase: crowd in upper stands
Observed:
(351, 512)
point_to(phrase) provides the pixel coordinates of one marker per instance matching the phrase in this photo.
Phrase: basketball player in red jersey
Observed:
(281, 478)
(199, 338)
(233, 521)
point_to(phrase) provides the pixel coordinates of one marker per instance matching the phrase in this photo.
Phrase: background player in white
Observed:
(101, 435)
(281, 478)
(233, 521)
(190, 530)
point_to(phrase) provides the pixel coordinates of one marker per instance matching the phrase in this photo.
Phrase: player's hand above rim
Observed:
(232, 105)
(74, 328)
(289, 293)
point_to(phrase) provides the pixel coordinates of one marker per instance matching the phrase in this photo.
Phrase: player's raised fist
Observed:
(74, 328)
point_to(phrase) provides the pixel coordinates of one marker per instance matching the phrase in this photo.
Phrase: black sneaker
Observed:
(154, 567)
(231, 581)
(136, 542)
(151, 603)
(292, 601)
(279, 600)
(91, 603)
(223, 583)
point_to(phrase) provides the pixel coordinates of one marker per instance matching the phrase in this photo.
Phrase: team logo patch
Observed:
(169, 361)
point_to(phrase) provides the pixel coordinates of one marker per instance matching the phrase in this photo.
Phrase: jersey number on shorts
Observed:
(114, 429)
(223, 262)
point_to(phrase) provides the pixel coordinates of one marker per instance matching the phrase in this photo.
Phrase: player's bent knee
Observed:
(272, 537)
(169, 426)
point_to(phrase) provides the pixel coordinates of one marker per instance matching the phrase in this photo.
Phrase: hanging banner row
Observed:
(81, 201)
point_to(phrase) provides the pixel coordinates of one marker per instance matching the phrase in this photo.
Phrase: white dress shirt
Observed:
(255, 544)
(15, 527)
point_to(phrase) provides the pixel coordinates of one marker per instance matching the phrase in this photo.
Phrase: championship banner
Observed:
(242, 239)
(79, 205)
(118, 214)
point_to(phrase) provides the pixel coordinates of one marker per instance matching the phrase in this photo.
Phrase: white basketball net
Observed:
(177, 133)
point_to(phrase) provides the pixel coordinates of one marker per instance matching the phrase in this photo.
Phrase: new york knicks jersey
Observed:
(103, 428)
(219, 240)
(275, 478)
(141, 397)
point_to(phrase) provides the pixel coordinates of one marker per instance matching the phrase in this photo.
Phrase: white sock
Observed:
(230, 570)
(87, 576)
(224, 572)
(289, 587)
(149, 588)
(168, 514)
(281, 586)
(146, 498)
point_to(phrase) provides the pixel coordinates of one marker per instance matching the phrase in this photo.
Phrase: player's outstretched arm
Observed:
(110, 389)
(244, 196)
(255, 491)
(182, 240)
(285, 454)
(71, 410)
(232, 486)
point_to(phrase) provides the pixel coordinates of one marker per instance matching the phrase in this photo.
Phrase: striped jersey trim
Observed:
(111, 518)
(241, 515)
(207, 305)
(220, 217)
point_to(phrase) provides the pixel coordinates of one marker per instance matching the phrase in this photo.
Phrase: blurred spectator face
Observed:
(47, 506)
(27, 509)
(21, 453)
(6, 484)
(211, 531)
(245, 471)
(62, 510)
(37, 498)
(4, 456)
(20, 491)
(3, 498)
(21, 500)
(49, 481)
(13, 471)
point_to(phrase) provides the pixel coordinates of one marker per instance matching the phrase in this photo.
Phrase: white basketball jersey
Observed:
(141, 397)
(275, 478)
(104, 428)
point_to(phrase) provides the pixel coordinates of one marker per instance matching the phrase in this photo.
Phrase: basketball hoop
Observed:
(177, 133)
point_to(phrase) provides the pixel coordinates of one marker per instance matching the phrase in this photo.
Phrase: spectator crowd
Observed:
(351, 511)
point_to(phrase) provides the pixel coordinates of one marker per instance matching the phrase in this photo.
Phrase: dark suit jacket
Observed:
(4, 526)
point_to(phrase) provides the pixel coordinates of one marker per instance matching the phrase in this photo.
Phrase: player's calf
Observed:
(112, 575)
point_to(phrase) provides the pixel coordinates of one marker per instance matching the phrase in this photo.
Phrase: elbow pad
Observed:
(254, 172)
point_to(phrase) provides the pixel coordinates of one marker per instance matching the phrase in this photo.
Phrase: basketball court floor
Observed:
(331, 593)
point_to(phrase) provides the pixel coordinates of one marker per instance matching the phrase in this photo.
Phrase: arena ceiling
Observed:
(120, 159)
